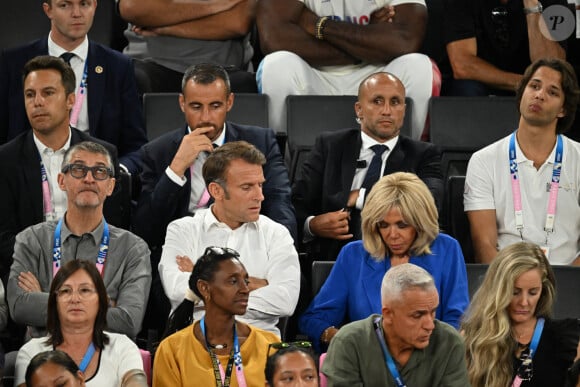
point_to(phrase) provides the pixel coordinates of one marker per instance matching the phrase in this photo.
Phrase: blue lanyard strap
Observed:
(536, 337)
(57, 248)
(388, 358)
(223, 377)
(87, 358)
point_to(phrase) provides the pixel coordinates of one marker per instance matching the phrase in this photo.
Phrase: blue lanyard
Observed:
(536, 337)
(388, 358)
(517, 382)
(555, 182)
(87, 358)
(57, 249)
(223, 377)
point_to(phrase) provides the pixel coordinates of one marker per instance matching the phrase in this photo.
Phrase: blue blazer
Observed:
(115, 112)
(163, 201)
(352, 291)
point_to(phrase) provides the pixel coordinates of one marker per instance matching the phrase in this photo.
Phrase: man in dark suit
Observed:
(335, 178)
(111, 110)
(173, 185)
(25, 199)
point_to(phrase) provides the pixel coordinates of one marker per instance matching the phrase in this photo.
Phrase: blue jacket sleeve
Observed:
(454, 290)
(329, 306)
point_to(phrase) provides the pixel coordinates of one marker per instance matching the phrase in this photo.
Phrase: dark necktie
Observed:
(67, 56)
(374, 171)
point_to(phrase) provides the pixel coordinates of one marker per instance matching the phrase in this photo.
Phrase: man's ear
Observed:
(111, 187)
(215, 190)
(562, 113)
(230, 102)
(358, 109)
(182, 102)
(387, 313)
(47, 8)
(60, 181)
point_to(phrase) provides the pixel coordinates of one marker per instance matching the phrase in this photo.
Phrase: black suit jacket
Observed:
(21, 192)
(163, 201)
(115, 113)
(326, 177)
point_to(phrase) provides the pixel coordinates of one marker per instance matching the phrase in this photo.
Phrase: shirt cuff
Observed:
(175, 178)
(124, 168)
(360, 201)
(307, 235)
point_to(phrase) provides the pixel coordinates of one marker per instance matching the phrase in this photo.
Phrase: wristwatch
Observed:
(537, 9)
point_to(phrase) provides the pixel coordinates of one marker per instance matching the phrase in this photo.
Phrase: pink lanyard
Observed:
(80, 98)
(46, 200)
(555, 183)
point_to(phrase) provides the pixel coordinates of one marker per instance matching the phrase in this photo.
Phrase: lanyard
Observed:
(57, 250)
(87, 358)
(533, 346)
(223, 378)
(388, 358)
(46, 200)
(555, 183)
(80, 97)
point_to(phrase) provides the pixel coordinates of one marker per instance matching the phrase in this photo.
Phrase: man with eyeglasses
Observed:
(490, 43)
(122, 258)
(234, 178)
(30, 163)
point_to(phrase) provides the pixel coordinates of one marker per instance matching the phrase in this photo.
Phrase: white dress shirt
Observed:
(266, 250)
(78, 65)
(52, 161)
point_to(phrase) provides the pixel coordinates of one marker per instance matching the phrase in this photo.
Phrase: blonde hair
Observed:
(407, 193)
(486, 325)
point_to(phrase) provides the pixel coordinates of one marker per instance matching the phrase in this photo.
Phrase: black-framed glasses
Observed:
(79, 171)
(282, 345)
(215, 250)
(526, 368)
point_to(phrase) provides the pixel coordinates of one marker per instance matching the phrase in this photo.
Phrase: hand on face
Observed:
(192, 144)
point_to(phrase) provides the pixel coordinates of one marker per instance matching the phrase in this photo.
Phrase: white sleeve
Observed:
(175, 282)
(280, 296)
(126, 355)
(478, 192)
(25, 354)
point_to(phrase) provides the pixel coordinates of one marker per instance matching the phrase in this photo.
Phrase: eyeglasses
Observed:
(499, 17)
(282, 345)
(79, 171)
(214, 250)
(526, 368)
(65, 293)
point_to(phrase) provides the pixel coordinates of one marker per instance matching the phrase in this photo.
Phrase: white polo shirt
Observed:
(488, 186)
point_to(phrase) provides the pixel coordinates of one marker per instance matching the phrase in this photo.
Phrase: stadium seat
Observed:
(310, 115)
(463, 125)
(454, 220)
(320, 271)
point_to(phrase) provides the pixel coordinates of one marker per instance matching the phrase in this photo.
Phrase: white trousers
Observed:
(284, 73)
